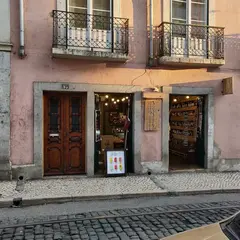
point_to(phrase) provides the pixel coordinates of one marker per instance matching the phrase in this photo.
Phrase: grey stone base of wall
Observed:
(226, 165)
(5, 171)
(154, 167)
(27, 171)
(5, 166)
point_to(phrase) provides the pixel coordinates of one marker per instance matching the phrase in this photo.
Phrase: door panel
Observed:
(75, 142)
(64, 133)
(53, 134)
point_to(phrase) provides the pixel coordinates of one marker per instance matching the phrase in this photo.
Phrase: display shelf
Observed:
(182, 118)
(182, 128)
(182, 137)
(184, 109)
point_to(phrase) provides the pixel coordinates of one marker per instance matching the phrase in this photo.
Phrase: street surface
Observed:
(143, 218)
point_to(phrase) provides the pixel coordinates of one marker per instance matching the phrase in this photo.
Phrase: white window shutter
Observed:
(61, 5)
(212, 13)
(117, 8)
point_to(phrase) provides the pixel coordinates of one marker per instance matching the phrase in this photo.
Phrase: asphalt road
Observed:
(146, 219)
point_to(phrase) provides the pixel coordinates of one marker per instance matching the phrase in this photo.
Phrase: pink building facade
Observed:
(83, 50)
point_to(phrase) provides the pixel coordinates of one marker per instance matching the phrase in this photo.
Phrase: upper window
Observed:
(96, 7)
(100, 9)
(78, 6)
(189, 12)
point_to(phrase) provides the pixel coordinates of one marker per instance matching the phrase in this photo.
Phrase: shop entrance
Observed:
(113, 128)
(186, 136)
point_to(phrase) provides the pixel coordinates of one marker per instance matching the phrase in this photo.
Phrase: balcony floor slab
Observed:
(78, 53)
(190, 62)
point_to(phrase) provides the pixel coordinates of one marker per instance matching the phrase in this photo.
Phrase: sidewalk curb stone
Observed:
(6, 203)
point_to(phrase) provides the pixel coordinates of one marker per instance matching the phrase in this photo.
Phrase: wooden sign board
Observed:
(152, 115)
(227, 86)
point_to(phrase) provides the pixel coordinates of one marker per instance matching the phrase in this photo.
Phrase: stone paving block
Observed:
(145, 228)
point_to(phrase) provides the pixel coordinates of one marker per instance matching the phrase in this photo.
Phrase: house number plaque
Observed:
(65, 86)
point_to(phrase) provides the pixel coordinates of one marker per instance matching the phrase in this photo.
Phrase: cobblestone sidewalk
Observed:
(71, 188)
(194, 182)
(80, 187)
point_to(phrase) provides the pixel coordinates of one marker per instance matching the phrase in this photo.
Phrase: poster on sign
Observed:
(115, 163)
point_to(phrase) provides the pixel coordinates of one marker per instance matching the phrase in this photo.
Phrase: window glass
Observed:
(198, 1)
(101, 5)
(198, 12)
(179, 10)
(78, 3)
(54, 114)
(197, 15)
(77, 10)
(75, 115)
(101, 20)
(101, 12)
(77, 20)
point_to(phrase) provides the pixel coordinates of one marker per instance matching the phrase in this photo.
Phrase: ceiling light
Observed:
(106, 96)
(123, 99)
(175, 100)
(115, 102)
(106, 104)
(118, 100)
(113, 99)
(187, 97)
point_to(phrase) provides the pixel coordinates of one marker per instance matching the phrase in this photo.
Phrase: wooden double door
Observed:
(64, 133)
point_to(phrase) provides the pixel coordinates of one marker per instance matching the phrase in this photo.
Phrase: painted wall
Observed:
(39, 66)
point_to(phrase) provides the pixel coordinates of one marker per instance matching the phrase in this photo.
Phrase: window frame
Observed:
(97, 21)
(90, 8)
(189, 11)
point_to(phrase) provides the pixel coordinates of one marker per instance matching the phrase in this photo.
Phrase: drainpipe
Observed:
(151, 31)
(21, 15)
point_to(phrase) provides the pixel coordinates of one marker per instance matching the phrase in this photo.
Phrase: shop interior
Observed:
(113, 114)
(186, 136)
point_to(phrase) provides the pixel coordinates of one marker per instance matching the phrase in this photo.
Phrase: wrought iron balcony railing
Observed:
(182, 40)
(90, 32)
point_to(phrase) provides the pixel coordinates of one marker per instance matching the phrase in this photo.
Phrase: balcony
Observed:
(189, 45)
(93, 37)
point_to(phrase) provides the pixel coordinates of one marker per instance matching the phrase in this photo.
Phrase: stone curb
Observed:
(199, 192)
(58, 200)
(6, 203)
